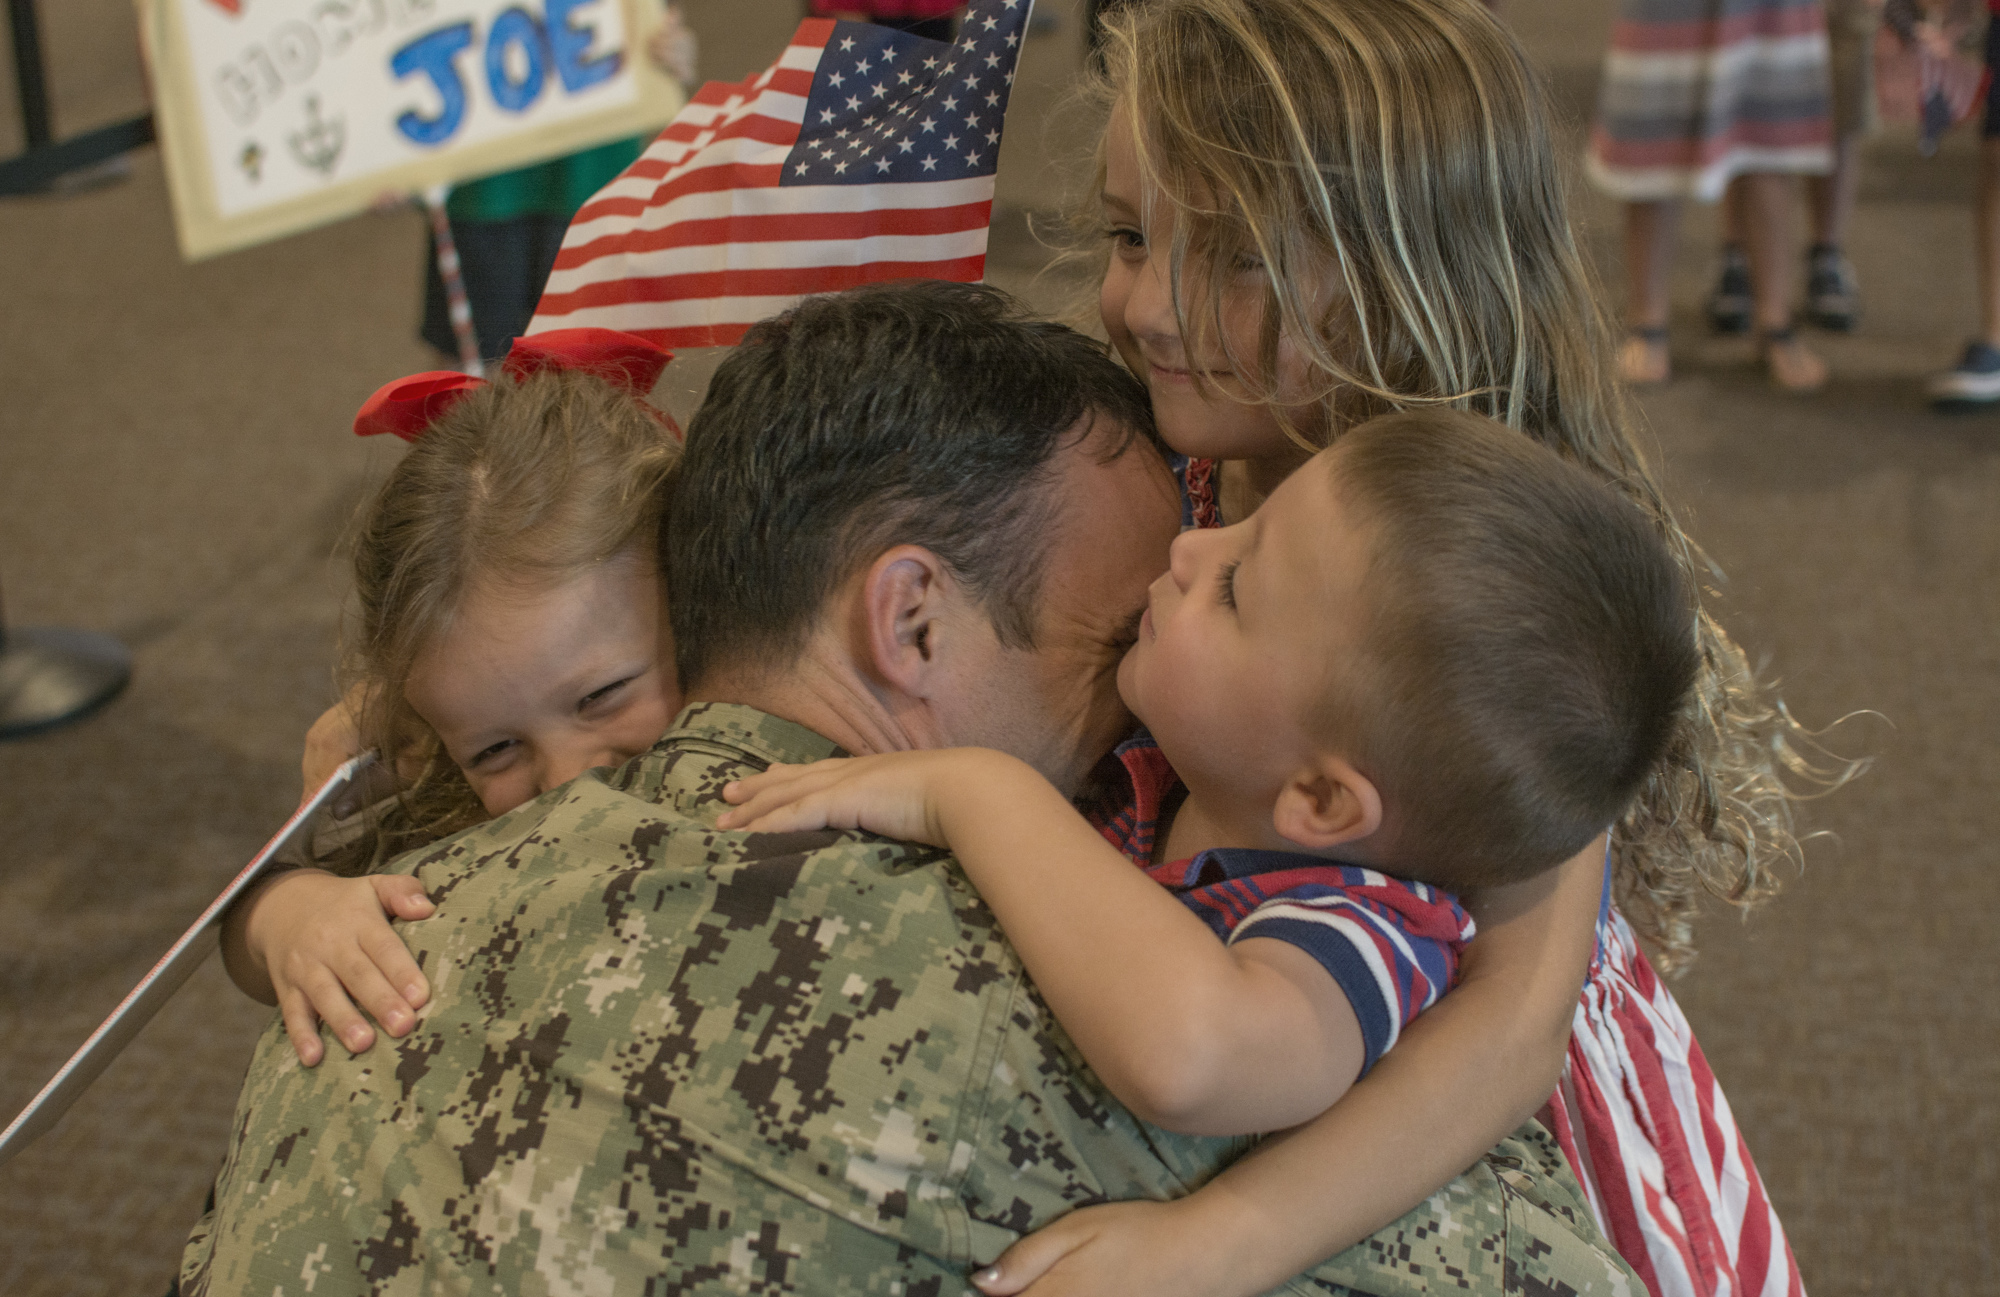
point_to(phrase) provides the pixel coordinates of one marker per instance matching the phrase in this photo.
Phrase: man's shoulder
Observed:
(669, 793)
(787, 1038)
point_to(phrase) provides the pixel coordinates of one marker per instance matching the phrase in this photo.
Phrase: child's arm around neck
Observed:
(1463, 1075)
(1189, 1033)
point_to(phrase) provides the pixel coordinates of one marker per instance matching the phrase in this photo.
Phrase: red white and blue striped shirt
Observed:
(1391, 945)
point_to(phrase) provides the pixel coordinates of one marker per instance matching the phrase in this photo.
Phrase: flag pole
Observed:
(166, 977)
(458, 306)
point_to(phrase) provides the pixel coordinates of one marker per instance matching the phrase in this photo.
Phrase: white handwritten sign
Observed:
(278, 115)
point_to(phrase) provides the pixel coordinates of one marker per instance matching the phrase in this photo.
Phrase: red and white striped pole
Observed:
(456, 303)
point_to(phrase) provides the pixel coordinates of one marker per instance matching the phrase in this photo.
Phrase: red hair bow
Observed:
(409, 405)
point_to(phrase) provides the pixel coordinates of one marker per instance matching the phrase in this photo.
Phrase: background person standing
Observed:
(1697, 93)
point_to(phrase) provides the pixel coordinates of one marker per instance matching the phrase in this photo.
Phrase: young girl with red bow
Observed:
(510, 634)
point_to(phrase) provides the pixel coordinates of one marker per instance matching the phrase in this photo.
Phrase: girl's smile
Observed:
(1204, 405)
(528, 688)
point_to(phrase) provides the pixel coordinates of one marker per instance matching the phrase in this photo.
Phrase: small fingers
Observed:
(775, 775)
(1029, 1259)
(330, 1000)
(402, 896)
(302, 1026)
(362, 983)
(996, 1281)
(390, 963)
(756, 799)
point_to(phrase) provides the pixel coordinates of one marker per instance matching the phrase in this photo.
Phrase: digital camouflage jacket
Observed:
(663, 1059)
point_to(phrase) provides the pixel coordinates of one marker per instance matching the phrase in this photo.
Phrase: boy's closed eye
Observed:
(1226, 583)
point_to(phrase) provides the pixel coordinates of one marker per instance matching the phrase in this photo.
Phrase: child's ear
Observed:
(1325, 803)
(901, 598)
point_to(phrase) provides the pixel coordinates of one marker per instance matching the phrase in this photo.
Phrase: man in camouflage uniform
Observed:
(663, 1059)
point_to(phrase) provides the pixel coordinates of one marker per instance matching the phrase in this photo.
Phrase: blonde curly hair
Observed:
(1406, 147)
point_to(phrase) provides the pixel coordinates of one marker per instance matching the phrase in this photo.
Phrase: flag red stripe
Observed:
(780, 227)
(782, 281)
(756, 126)
(1614, 1188)
(788, 81)
(1753, 1245)
(703, 180)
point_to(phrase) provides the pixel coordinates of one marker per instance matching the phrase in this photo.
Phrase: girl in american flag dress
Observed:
(1378, 221)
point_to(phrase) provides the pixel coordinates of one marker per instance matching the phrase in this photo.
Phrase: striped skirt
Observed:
(1696, 92)
(1647, 1129)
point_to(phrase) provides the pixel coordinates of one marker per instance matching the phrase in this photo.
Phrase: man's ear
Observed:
(1325, 803)
(902, 594)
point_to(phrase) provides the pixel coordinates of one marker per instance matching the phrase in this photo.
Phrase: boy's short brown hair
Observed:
(1530, 646)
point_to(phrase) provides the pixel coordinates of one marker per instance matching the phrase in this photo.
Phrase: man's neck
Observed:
(831, 700)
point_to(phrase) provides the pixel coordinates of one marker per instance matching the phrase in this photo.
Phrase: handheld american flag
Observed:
(863, 154)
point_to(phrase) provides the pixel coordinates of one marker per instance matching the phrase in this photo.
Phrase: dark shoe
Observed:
(1729, 304)
(1833, 297)
(1973, 385)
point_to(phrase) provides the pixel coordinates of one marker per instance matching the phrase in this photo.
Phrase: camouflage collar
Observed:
(741, 730)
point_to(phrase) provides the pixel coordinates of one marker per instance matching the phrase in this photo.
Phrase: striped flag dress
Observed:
(1648, 1130)
(862, 155)
(1696, 92)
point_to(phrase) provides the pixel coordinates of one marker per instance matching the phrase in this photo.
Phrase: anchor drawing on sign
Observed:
(318, 145)
(252, 161)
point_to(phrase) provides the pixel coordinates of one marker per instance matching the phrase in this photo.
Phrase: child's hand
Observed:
(325, 945)
(895, 794)
(1140, 1248)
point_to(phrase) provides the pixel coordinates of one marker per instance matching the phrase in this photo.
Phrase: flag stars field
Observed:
(747, 201)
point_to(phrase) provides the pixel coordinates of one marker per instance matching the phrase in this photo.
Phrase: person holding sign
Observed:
(278, 117)
(508, 228)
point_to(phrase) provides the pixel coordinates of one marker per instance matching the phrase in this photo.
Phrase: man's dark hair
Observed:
(1530, 644)
(916, 412)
